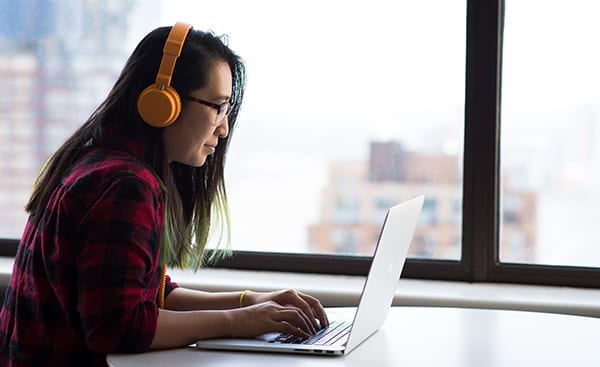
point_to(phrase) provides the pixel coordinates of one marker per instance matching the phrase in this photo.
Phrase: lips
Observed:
(211, 148)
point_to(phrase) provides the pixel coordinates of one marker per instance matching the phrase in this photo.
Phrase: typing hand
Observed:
(270, 316)
(310, 306)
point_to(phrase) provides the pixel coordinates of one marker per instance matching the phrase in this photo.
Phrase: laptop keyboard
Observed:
(336, 331)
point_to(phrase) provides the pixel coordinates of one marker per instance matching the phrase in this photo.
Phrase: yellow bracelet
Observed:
(242, 297)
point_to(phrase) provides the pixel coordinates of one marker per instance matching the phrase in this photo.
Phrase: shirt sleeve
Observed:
(117, 266)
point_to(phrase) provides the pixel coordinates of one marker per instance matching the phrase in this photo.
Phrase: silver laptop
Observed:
(341, 337)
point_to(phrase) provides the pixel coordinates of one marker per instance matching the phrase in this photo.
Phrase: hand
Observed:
(270, 316)
(311, 308)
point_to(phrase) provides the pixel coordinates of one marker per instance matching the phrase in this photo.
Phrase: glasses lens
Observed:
(224, 110)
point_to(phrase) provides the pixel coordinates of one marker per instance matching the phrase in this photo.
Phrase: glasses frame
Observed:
(225, 106)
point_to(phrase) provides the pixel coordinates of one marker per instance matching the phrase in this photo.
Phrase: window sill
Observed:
(342, 291)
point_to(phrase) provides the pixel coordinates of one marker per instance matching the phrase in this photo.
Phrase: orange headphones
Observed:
(159, 104)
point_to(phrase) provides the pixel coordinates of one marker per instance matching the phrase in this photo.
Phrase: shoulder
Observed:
(103, 168)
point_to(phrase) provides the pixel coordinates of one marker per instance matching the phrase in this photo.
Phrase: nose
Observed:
(223, 129)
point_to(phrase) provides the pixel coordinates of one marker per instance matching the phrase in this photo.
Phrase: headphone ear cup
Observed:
(159, 107)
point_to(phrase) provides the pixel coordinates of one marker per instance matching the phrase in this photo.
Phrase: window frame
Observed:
(480, 221)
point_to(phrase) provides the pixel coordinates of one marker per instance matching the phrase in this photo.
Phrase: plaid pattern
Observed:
(85, 280)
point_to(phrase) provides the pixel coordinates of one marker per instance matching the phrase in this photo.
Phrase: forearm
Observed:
(220, 315)
(181, 299)
(180, 328)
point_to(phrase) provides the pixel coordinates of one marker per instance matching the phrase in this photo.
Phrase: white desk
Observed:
(425, 336)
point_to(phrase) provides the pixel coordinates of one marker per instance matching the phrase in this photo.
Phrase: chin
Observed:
(200, 161)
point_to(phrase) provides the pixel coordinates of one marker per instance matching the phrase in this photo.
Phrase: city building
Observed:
(356, 199)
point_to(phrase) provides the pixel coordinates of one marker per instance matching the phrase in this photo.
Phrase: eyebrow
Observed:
(223, 98)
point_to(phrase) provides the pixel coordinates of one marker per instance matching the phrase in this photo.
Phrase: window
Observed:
(57, 62)
(338, 114)
(350, 107)
(332, 115)
(550, 133)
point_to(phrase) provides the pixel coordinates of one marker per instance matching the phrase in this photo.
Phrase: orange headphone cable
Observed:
(163, 284)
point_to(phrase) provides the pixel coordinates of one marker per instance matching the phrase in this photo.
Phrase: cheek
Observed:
(201, 134)
(195, 125)
(186, 131)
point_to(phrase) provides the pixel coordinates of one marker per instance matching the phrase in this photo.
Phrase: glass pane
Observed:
(550, 129)
(350, 108)
(58, 60)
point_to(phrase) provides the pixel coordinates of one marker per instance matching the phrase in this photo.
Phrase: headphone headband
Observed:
(159, 104)
(171, 52)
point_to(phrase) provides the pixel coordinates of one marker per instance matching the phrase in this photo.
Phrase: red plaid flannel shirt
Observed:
(85, 279)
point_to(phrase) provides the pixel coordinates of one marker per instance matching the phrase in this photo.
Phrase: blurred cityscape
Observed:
(58, 59)
(355, 202)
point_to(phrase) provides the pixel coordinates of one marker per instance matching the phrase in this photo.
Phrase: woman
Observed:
(136, 188)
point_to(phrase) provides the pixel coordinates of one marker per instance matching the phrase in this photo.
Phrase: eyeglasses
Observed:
(223, 109)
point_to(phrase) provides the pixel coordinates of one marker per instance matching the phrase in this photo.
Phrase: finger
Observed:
(286, 327)
(302, 303)
(296, 317)
(307, 321)
(317, 310)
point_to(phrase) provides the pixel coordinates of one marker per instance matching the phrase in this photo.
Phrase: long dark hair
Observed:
(193, 195)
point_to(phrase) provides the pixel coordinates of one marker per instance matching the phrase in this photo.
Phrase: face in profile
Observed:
(203, 121)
